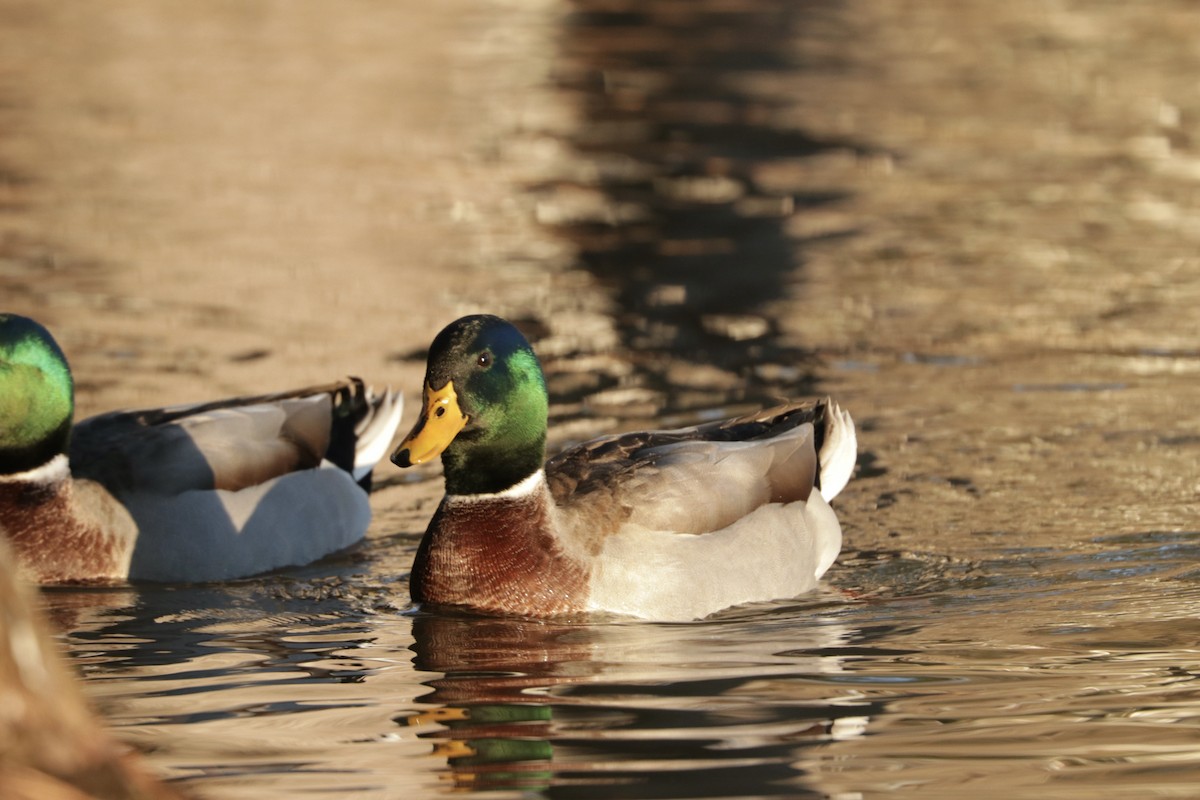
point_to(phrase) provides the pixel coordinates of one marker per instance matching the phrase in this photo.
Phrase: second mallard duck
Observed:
(666, 525)
(204, 492)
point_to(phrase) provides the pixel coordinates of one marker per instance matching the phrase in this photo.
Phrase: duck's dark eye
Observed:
(484, 360)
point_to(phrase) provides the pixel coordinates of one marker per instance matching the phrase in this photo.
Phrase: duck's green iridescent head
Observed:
(485, 408)
(37, 395)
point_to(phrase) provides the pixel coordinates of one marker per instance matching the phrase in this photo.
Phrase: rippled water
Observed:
(974, 225)
(907, 674)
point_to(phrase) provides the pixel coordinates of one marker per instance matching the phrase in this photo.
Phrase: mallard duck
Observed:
(205, 492)
(664, 525)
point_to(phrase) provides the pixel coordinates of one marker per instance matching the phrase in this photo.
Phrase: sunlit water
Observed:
(1056, 672)
(701, 209)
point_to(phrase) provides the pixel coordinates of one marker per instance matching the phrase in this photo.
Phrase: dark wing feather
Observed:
(603, 462)
(692, 480)
(228, 444)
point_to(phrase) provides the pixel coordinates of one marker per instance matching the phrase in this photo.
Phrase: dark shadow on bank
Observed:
(684, 135)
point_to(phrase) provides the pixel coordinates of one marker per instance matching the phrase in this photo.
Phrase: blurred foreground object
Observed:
(51, 746)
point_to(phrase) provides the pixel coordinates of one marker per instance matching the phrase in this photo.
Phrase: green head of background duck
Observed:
(37, 396)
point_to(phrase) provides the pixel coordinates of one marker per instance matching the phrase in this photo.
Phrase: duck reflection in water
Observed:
(530, 704)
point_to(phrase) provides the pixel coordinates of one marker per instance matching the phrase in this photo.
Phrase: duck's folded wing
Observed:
(230, 444)
(671, 482)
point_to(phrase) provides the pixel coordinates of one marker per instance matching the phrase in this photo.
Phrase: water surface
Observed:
(907, 673)
(973, 226)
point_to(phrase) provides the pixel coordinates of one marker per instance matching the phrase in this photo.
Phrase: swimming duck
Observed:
(205, 492)
(664, 525)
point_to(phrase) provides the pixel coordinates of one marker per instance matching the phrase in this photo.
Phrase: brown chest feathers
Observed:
(56, 540)
(497, 555)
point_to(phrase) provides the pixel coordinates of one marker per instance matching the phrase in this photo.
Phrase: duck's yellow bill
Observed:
(440, 421)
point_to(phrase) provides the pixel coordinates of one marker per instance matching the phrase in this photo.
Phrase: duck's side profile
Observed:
(665, 525)
(204, 492)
